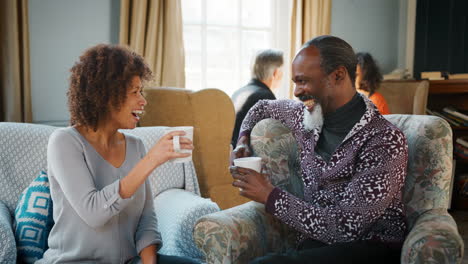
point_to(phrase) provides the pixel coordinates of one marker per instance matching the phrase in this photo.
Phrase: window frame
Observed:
(279, 9)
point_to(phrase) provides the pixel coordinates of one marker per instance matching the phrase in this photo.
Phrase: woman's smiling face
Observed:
(129, 113)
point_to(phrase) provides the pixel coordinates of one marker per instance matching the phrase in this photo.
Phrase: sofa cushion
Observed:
(23, 152)
(33, 220)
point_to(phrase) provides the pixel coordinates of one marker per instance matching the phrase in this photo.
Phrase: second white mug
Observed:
(254, 163)
(188, 134)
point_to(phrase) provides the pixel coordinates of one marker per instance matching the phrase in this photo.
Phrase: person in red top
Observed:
(368, 79)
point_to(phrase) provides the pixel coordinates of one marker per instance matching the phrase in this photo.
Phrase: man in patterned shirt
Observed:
(353, 164)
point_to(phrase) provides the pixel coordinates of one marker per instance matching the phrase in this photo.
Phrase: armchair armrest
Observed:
(177, 211)
(7, 238)
(434, 238)
(240, 234)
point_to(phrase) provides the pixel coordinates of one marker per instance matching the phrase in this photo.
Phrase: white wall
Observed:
(59, 31)
(372, 26)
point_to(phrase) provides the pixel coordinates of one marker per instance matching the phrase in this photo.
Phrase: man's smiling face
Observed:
(312, 86)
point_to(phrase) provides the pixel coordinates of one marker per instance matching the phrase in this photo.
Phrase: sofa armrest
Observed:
(434, 238)
(177, 211)
(240, 234)
(7, 238)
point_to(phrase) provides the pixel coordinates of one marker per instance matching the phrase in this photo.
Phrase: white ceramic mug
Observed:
(254, 163)
(176, 141)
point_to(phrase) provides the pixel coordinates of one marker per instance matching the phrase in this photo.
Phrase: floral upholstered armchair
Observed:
(242, 233)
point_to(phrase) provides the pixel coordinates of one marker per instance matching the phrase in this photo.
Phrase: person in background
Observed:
(368, 79)
(266, 76)
(103, 204)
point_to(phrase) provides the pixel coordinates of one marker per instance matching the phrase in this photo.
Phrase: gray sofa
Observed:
(23, 149)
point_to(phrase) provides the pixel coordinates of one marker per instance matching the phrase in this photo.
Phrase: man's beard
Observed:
(313, 120)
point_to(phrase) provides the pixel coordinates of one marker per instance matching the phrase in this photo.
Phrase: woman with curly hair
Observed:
(368, 79)
(102, 202)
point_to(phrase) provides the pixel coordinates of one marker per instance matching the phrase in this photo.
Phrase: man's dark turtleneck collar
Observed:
(344, 118)
(338, 124)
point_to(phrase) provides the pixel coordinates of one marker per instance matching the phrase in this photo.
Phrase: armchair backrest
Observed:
(211, 113)
(405, 97)
(429, 177)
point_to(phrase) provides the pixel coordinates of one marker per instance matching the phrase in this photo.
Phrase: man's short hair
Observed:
(266, 62)
(334, 52)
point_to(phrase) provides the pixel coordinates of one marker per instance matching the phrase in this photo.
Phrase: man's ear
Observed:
(276, 73)
(339, 74)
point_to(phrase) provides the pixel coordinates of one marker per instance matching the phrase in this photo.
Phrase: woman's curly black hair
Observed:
(370, 71)
(100, 79)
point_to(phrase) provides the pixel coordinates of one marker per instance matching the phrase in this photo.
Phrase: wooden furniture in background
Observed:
(449, 93)
(405, 96)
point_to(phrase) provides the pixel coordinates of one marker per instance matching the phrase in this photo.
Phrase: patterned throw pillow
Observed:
(33, 220)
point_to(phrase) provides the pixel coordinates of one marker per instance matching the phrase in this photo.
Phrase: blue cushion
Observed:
(33, 220)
